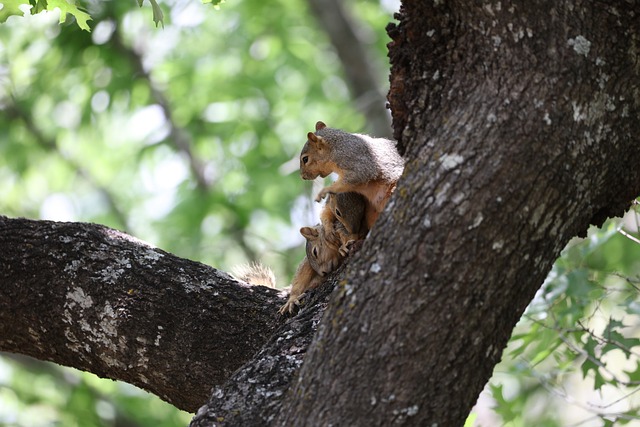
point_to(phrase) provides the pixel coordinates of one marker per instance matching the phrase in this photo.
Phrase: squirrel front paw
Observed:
(322, 194)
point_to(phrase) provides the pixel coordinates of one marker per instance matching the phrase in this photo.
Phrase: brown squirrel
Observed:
(328, 243)
(368, 170)
(324, 249)
(323, 256)
(343, 218)
(365, 165)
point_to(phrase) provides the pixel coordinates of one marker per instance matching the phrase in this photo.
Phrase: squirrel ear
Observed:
(309, 233)
(320, 125)
(312, 137)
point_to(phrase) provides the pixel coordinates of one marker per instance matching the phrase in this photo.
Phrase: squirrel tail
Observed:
(255, 274)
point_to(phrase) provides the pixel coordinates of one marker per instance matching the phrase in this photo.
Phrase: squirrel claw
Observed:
(322, 194)
(290, 306)
(346, 247)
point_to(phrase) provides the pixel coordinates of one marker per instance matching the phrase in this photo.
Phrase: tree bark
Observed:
(93, 298)
(519, 124)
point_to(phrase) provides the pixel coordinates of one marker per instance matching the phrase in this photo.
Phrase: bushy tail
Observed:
(255, 274)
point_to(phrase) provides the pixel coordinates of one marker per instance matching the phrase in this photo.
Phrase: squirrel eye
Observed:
(315, 252)
(305, 159)
(338, 214)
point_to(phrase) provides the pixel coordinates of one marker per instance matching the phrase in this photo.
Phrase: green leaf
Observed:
(634, 376)
(619, 341)
(590, 365)
(599, 380)
(215, 3)
(590, 346)
(67, 7)
(38, 5)
(11, 7)
(507, 410)
(613, 324)
(471, 419)
(158, 16)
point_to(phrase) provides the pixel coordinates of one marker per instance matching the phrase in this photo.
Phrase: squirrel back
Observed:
(348, 208)
(357, 158)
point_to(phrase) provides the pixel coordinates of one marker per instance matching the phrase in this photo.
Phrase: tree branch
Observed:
(93, 298)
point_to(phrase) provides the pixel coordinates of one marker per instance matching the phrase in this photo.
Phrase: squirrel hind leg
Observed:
(291, 306)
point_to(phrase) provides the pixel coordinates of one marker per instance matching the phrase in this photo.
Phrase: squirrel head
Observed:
(315, 156)
(322, 252)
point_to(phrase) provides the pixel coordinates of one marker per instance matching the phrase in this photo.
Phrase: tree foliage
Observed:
(576, 347)
(78, 10)
(188, 137)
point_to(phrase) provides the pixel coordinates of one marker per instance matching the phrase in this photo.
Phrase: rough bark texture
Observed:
(90, 297)
(519, 123)
(253, 395)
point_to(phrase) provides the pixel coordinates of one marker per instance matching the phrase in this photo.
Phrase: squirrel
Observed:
(323, 248)
(323, 256)
(255, 274)
(328, 243)
(347, 211)
(342, 222)
(368, 170)
(365, 165)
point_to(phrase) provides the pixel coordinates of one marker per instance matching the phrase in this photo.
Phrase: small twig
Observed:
(629, 236)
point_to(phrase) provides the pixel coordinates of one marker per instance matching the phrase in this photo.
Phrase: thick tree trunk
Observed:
(519, 123)
(90, 297)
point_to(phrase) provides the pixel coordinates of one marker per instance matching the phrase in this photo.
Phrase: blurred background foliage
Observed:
(187, 136)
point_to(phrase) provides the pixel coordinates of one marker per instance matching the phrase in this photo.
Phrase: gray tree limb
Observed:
(93, 298)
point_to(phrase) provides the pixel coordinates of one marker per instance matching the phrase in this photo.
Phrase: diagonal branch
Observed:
(256, 391)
